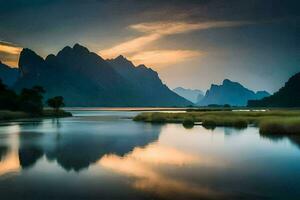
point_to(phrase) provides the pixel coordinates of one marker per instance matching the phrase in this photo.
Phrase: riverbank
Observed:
(269, 122)
(11, 115)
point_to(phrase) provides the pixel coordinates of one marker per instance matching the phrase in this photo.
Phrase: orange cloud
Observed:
(135, 49)
(161, 58)
(169, 28)
(9, 53)
(12, 64)
(129, 46)
(9, 49)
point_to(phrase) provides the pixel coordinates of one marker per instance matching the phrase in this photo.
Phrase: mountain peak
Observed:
(121, 62)
(79, 48)
(29, 61)
(142, 66)
(230, 92)
(27, 51)
(121, 57)
(227, 81)
(28, 54)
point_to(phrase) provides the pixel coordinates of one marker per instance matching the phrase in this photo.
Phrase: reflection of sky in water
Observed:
(92, 156)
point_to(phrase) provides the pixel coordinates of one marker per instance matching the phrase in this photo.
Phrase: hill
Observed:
(192, 95)
(287, 96)
(229, 92)
(8, 75)
(86, 79)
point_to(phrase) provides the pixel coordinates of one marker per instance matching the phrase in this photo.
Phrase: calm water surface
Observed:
(105, 155)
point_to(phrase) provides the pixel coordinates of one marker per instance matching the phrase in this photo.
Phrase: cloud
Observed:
(9, 48)
(153, 31)
(169, 28)
(9, 53)
(161, 58)
(130, 46)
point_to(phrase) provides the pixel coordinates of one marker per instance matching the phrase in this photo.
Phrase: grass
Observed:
(279, 126)
(273, 122)
(11, 115)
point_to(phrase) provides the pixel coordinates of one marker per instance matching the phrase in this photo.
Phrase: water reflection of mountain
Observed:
(76, 151)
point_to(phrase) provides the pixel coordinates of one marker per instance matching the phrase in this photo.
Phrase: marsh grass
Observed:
(273, 122)
(279, 126)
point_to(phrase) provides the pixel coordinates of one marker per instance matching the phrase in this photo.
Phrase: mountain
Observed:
(192, 95)
(232, 93)
(8, 75)
(287, 96)
(83, 78)
(147, 82)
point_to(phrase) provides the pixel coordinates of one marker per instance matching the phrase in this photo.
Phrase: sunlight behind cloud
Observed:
(161, 58)
(129, 46)
(136, 48)
(168, 28)
(9, 53)
(7, 48)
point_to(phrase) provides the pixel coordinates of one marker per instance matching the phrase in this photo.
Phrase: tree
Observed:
(56, 102)
(8, 98)
(31, 100)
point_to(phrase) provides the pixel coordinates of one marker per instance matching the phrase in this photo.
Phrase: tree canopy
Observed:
(56, 102)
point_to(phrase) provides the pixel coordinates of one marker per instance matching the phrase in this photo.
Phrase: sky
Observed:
(190, 44)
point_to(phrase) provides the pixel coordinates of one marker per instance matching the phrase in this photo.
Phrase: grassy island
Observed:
(269, 122)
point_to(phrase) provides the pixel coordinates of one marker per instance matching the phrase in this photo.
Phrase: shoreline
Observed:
(6, 115)
(125, 109)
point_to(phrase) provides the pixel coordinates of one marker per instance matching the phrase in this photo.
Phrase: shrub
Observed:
(188, 123)
(56, 103)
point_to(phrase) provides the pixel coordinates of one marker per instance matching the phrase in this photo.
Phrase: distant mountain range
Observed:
(8, 75)
(192, 95)
(287, 96)
(229, 92)
(86, 79)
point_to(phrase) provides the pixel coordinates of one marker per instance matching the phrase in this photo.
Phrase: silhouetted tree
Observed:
(31, 100)
(56, 102)
(8, 98)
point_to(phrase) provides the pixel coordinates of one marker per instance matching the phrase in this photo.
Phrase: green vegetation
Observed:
(12, 115)
(278, 126)
(272, 122)
(188, 122)
(31, 100)
(28, 104)
(56, 103)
